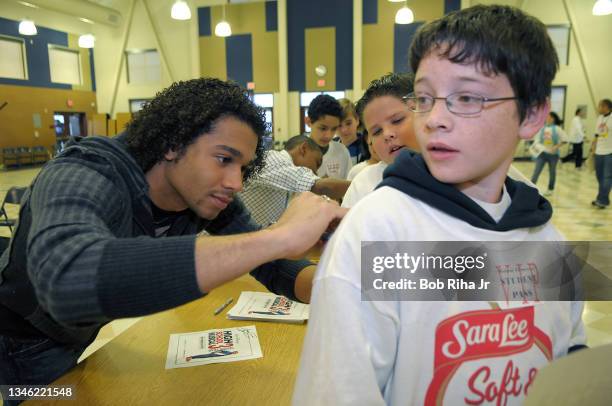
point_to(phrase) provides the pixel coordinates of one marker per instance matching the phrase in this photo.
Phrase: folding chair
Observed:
(13, 196)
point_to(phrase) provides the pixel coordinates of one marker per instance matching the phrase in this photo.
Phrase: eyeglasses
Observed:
(464, 104)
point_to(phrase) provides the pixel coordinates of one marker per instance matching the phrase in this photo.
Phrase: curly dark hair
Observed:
(324, 105)
(181, 113)
(498, 40)
(397, 85)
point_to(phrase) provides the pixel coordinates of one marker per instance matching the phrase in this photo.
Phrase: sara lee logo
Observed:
(510, 332)
(485, 335)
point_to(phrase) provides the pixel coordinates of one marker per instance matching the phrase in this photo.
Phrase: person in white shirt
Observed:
(478, 91)
(603, 154)
(550, 138)
(370, 158)
(576, 138)
(324, 115)
(284, 174)
(388, 122)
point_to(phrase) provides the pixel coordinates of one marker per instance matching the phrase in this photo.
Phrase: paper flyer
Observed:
(268, 307)
(213, 346)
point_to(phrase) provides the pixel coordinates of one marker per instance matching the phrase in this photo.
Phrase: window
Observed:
(143, 66)
(136, 104)
(65, 65)
(560, 36)
(305, 99)
(557, 100)
(12, 58)
(266, 101)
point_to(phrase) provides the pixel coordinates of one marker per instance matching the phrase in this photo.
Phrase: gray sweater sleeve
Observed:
(277, 276)
(82, 272)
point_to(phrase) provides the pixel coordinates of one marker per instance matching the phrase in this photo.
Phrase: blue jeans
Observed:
(34, 361)
(541, 160)
(603, 171)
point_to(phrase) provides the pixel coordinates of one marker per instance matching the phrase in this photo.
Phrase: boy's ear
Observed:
(534, 120)
(303, 148)
(308, 121)
(170, 156)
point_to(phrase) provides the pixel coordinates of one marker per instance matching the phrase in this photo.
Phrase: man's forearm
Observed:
(334, 188)
(223, 258)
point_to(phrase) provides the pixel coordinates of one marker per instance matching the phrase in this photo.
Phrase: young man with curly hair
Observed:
(89, 249)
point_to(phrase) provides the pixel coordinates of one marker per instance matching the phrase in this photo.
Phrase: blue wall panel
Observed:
(370, 11)
(204, 28)
(239, 58)
(402, 37)
(315, 14)
(451, 5)
(37, 54)
(271, 16)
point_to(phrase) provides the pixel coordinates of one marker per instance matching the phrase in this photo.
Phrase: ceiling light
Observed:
(25, 3)
(223, 29)
(87, 41)
(404, 16)
(396, 1)
(86, 20)
(180, 10)
(27, 27)
(602, 7)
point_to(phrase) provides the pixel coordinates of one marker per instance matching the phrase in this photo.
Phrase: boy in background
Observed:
(324, 115)
(482, 80)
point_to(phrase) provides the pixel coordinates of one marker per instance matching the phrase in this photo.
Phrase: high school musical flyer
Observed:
(262, 306)
(213, 346)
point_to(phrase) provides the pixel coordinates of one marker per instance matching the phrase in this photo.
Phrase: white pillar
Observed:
(281, 102)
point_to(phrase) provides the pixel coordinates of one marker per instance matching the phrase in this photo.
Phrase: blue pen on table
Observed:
(223, 306)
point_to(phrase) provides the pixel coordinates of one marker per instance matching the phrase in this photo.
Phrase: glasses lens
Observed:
(464, 103)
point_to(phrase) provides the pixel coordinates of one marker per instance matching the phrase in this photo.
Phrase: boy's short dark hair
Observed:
(324, 105)
(607, 102)
(181, 113)
(392, 84)
(298, 140)
(498, 40)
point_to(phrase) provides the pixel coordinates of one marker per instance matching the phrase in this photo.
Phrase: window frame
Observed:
(65, 49)
(24, 56)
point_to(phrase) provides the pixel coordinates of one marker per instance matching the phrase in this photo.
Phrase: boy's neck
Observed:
(487, 190)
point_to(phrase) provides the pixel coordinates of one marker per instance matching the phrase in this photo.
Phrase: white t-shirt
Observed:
(414, 353)
(356, 169)
(336, 162)
(577, 130)
(365, 182)
(604, 139)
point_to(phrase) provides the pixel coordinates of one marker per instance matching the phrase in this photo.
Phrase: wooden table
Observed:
(130, 368)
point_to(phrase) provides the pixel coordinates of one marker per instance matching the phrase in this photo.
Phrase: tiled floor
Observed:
(573, 215)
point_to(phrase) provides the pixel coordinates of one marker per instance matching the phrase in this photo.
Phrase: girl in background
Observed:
(551, 137)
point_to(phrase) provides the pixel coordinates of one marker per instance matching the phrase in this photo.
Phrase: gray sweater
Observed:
(84, 250)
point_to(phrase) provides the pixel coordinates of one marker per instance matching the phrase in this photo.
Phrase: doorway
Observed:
(68, 124)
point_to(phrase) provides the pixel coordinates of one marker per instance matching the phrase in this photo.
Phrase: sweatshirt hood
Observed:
(409, 174)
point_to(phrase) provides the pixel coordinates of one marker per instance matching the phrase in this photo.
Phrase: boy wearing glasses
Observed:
(482, 80)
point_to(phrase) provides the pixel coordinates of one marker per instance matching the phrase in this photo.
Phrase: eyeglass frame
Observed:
(412, 96)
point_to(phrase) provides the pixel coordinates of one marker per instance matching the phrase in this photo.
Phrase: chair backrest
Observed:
(14, 195)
